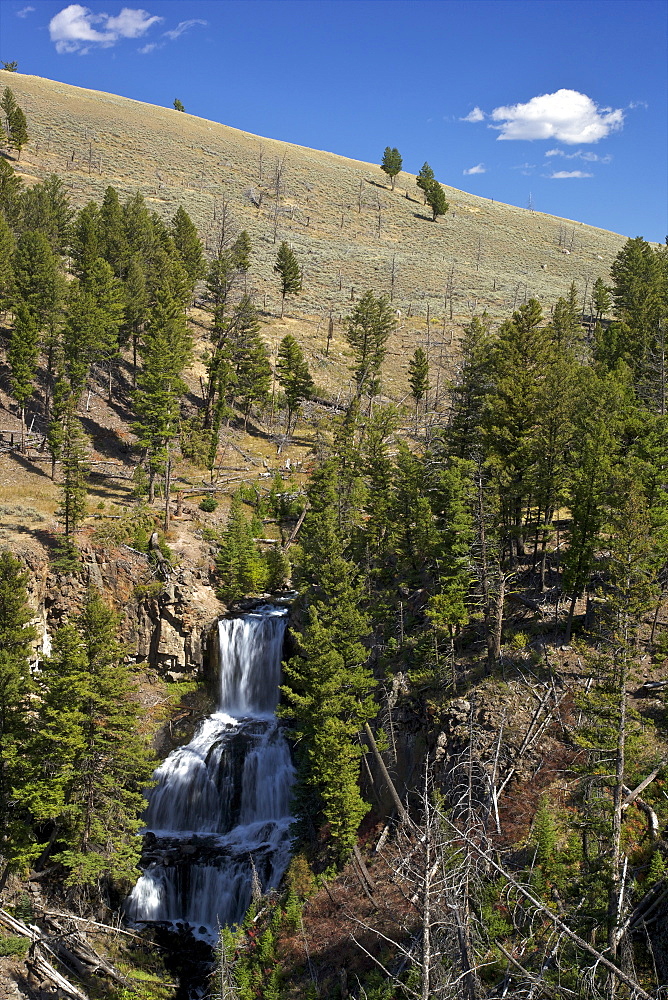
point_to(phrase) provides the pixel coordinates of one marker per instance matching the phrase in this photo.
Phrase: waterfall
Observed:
(221, 805)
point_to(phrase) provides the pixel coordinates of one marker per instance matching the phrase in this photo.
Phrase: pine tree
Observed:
(368, 330)
(241, 251)
(95, 764)
(165, 351)
(18, 131)
(106, 293)
(22, 355)
(114, 241)
(7, 247)
(136, 311)
(391, 163)
(8, 105)
(16, 638)
(293, 374)
(601, 298)
(435, 196)
(418, 378)
(424, 179)
(38, 281)
(241, 568)
(290, 274)
(75, 471)
(469, 390)
(188, 246)
(248, 357)
(11, 187)
(45, 208)
(87, 241)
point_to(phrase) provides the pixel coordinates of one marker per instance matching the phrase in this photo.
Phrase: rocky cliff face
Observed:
(165, 628)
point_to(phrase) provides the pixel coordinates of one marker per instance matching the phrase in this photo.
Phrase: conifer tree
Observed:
(75, 473)
(601, 298)
(45, 208)
(368, 329)
(391, 163)
(16, 638)
(18, 131)
(188, 246)
(95, 764)
(114, 241)
(424, 179)
(87, 241)
(11, 187)
(7, 247)
(287, 268)
(165, 351)
(418, 378)
(249, 358)
(136, 305)
(436, 199)
(106, 293)
(293, 374)
(469, 390)
(8, 105)
(22, 355)
(241, 568)
(38, 281)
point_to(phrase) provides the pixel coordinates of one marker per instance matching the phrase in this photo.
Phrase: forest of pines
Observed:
(541, 485)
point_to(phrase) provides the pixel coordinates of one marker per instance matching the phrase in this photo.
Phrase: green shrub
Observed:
(208, 504)
(13, 945)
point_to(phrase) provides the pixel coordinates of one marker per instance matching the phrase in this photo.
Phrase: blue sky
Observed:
(561, 102)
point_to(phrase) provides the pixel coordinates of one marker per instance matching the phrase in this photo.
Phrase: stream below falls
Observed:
(221, 805)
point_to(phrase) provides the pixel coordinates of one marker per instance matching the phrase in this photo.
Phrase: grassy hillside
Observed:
(343, 221)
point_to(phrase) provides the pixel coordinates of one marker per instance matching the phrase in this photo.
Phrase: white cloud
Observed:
(73, 28)
(474, 116)
(480, 168)
(181, 27)
(25, 11)
(149, 47)
(566, 115)
(587, 156)
(560, 175)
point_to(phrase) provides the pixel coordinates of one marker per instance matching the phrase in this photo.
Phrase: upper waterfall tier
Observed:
(250, 657)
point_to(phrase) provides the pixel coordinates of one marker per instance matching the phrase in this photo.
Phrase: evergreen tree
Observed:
(287, 268)
(114, 247)
(8, 105)
(188, 246)
(165, 352)
(293, 374)
(435, 196)
(248, 357)
(418, 378)
(241, 568)
(11, 187)
(87, 241)
(601, 298)
(566, 326)
(424, 179)
(241, 251)
(45, 208)
(391, 163)
(38, 281)
(18, 131)
(7, 247)
(368, 329)
(178, 106)
(105, 319)
(136, 306)
(22, 355)
(95, 765)
(75, 472)
(469, 390)
(16, 638)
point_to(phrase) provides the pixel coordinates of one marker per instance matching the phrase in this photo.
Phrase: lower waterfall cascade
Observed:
(219, 815)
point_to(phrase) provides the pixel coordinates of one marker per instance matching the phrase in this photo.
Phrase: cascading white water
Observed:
(222, 804)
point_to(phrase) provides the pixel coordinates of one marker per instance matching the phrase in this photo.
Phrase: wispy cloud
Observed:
(181, 27)
(579, 154)
(477, 115)
(561, 175)
(25, 11)
(566, 115)
(77, 29)
(172, 35)
(480, 168)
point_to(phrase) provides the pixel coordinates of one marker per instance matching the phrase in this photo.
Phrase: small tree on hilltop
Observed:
(9, 67)
(424, 179)
(435, 196)
(18, 131)
(391, 164)
(178, 106)
(291, 277)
